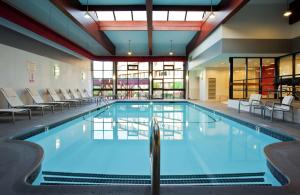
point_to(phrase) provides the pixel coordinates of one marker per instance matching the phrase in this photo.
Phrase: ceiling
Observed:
(147, 37)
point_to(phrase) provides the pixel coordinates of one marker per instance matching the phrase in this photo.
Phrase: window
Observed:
(168, 80)
(239, 77)
(133, 80)
(139, 15)
(177, 15)
(105, 15)
(123, 15)
(102, 78)
(160, 15)
(253, 76)
(194, 16)
(268, 77)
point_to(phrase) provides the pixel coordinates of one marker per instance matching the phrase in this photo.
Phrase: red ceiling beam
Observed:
(13, 15)
(141, 58)
(227, 9)
(149, 9)
(72, 9)
(142, 25)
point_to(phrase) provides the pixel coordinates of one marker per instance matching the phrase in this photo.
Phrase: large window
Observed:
(168, 80)
(271, 77)
(102, 78)
(252, 76)
(133, 80)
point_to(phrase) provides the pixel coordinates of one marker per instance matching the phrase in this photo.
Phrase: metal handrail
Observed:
(155, 157)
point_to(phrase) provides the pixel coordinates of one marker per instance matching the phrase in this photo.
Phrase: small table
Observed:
(262, 107)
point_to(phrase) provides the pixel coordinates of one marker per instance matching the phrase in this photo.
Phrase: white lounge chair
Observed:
(56, 98)
(84, 94)
(13, 111)
(39, 100)
(15, 102)
(76, 96)
(284, 106)
(254, 100)
(67, 97)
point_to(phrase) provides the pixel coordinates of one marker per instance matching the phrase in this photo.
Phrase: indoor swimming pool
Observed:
(111, 146)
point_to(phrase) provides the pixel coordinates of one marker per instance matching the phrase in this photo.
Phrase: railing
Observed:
(155, 157)
(102, 99)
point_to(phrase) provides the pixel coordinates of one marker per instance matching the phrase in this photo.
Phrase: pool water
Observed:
(115, 141)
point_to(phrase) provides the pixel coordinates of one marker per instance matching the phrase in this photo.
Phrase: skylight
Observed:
(139, 15)
(177, 15)
(123, 15)
(105, 15)
(194, 16)
(160, 15)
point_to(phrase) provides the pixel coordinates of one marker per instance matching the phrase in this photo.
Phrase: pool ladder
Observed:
(102, 99)
(155, 157)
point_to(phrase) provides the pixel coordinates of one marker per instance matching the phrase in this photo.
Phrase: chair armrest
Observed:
(258, 101)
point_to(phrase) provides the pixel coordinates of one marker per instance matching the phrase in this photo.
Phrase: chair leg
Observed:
(42, 111)
(29, 114)
(13, 117)
(272, 115)
(283, 115)
(52, 109)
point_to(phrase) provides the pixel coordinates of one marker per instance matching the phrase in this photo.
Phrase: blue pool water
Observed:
(115, 141)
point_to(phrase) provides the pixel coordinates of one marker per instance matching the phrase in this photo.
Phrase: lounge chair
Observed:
(67, 97)
(56, 98)
(75, 95)
(13, 111)
(254, 100)
(84, 94)
(39, 100)
(284, 106)
(15, 102)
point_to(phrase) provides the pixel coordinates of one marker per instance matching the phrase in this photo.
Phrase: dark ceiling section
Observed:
(295, 8)
(72, 10)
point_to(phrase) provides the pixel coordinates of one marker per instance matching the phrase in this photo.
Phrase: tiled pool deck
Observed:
(18, 159)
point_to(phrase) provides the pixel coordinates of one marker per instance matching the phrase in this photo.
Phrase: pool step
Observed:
(67, 178)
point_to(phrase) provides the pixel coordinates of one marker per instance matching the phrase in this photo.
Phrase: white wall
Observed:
(194, 85)
(14, 74)
(222, 83)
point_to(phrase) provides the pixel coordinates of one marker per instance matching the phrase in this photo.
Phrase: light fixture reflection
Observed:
(83, 128)
(57, 143)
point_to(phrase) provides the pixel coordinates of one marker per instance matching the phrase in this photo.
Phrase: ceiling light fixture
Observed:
(86, 14)
(211, 14)
(287, 12)
(171, 48)
(129, 48)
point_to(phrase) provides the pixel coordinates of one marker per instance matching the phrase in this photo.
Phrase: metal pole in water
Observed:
(155, 157)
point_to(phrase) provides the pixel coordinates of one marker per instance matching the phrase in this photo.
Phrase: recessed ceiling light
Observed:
(287, 13)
